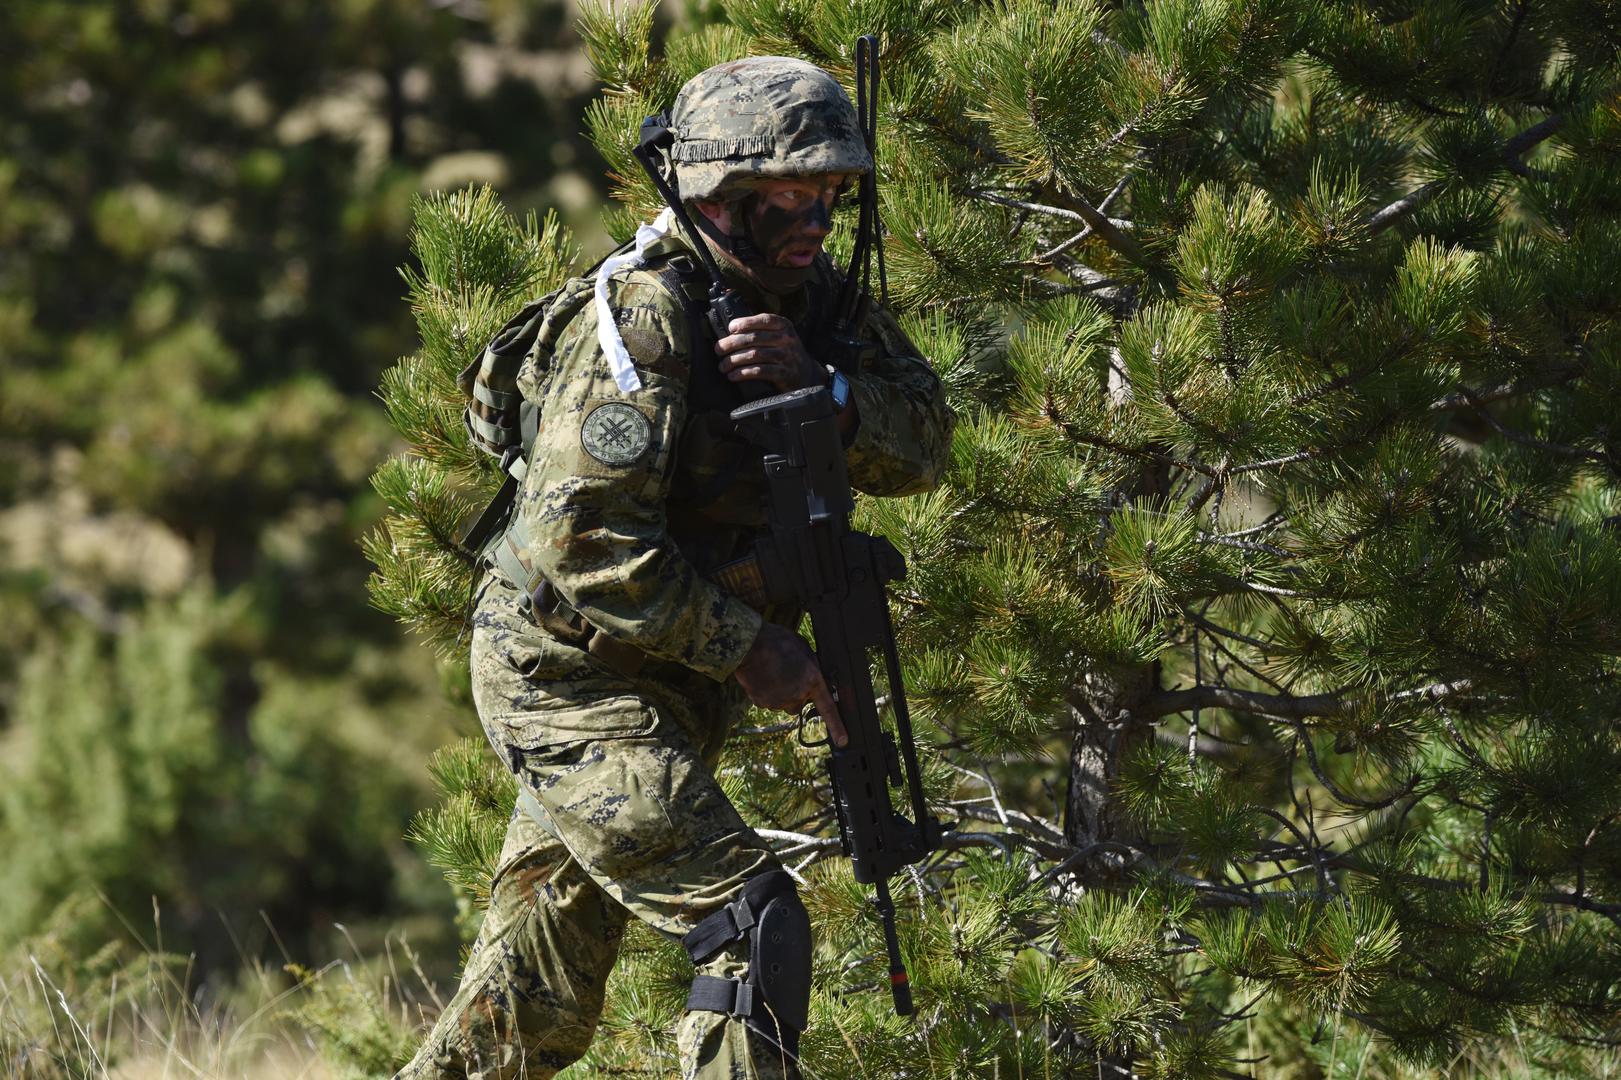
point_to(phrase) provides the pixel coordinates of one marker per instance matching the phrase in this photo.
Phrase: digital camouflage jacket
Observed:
(632, 501)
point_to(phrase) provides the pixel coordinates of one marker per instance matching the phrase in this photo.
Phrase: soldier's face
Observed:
(786, 219)
(789, 219)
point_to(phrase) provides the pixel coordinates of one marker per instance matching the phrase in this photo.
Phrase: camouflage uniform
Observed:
(631, 503)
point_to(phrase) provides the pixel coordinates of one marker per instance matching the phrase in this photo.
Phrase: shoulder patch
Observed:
(615, 433)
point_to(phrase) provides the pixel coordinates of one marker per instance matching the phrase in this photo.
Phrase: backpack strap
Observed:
(685, 280)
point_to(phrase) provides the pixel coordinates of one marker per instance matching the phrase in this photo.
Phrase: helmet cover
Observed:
(762, 117)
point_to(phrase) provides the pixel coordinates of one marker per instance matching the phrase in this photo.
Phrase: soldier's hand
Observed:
(780, 672)
(768, 347)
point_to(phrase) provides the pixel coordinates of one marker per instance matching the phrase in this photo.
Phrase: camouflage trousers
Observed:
(636, 826)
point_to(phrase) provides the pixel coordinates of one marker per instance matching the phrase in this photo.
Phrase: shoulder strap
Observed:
(706, 390)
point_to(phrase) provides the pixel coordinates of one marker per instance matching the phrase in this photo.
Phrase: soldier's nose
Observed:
(818, 220)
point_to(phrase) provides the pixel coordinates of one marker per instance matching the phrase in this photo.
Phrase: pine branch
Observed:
(1241, 586)
(1246, 545)
(1216, 635)
(1277, 519)
(1333, 789)
(1110, 229)
(1014, 819)
(822, 846)
(1521, 9)
(1558, 897)
(1512, 150)
(1530, 440)
(1465, 397)
(1103, 208)
(1141, 453)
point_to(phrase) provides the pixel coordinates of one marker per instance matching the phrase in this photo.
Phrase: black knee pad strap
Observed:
(734, 920)
(775, 996)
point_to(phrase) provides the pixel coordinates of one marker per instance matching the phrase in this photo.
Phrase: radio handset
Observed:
(725, 304)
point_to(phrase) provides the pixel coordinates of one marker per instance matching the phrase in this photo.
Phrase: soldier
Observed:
(608, 664)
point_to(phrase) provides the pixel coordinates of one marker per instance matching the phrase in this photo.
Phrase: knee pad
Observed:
(774, 998)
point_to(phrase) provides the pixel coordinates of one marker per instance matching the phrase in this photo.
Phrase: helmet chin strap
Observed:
(746, 249)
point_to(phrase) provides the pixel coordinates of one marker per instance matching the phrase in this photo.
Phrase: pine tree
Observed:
(1264, 632)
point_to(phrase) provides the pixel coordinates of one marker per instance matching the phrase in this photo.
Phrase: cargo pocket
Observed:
(602, 776)
(542, 731)
(536, 657)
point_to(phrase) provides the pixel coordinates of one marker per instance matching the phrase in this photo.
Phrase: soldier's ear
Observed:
(720, 214)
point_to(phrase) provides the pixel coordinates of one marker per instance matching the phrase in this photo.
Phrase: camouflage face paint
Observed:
(774, 229)
(764, 233)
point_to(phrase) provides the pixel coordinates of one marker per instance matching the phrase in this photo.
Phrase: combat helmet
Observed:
(763, 117)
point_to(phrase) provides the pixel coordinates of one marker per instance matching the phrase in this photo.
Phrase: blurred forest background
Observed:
(207, 737)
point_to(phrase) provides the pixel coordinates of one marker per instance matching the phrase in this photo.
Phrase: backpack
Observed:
(501, 422)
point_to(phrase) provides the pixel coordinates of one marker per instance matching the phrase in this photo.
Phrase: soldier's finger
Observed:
(782, 364)
(749, 356)
(753, 339)
(759, 360)
(828, 707)
(766, 321)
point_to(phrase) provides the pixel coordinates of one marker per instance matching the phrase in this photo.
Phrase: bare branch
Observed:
(1015, 819)
(1287, 706)
(799, 841)
(1245, 545)
(1273, 463)
(1517, 145)
(1329, 785)
(1088, 439)
(1119, 187)
(1255, 586)
(1103, 207)
(1466, 398)
(1530, 440)
(1112, 230)
(1283, 706)
(1405, 205)
(1274, 520)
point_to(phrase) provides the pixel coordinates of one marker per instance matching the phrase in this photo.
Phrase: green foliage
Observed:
(201, 209)
(124, 739)
(475, 266)
(353, 1025)
(1279, 513)
(462, 835)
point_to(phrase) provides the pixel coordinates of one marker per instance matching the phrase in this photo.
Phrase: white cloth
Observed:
(613, 346)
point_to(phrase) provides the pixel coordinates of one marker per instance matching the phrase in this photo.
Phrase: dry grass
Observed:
(144, 1022)
(129, 1011)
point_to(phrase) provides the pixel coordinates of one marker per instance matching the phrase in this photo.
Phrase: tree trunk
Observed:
(1109, 725)
(1108, 709)
(395, 106)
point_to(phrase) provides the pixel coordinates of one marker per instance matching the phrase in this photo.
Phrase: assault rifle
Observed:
(811, 559)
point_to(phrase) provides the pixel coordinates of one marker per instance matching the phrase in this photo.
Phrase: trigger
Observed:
(807, 713)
